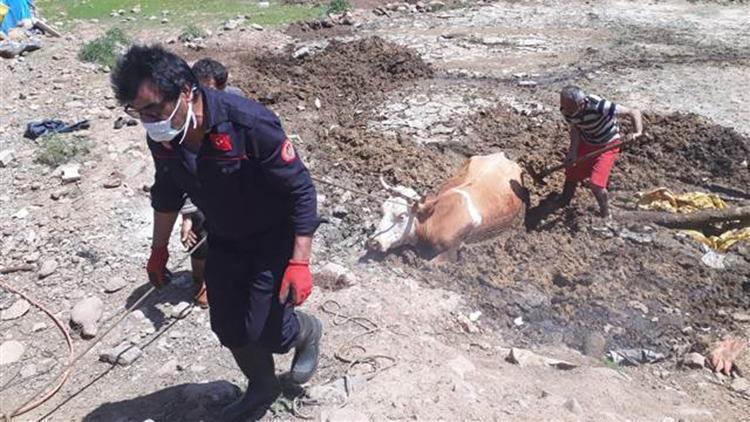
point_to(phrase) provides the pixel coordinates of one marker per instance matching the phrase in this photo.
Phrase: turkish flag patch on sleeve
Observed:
(221, 141)
(287, 152)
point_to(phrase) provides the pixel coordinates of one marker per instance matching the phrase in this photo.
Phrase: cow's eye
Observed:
(401, 217)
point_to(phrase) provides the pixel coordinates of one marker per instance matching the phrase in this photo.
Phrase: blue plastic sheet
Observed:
(19, 10)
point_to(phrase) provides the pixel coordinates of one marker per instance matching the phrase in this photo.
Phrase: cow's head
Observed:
(398, 225)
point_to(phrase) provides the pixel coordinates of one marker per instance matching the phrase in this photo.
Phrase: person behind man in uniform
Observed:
(592, 124)
(214, 75)
(231, 157)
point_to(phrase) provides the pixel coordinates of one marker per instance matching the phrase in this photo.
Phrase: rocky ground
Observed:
(406, 91)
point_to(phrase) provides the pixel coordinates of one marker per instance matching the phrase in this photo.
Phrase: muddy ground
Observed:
(410, 96)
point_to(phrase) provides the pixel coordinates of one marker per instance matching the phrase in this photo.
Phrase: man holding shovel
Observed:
(592, 122)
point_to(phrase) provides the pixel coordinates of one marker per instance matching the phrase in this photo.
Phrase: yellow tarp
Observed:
(664, 200)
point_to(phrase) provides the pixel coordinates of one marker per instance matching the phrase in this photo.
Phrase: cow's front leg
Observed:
(447, 256)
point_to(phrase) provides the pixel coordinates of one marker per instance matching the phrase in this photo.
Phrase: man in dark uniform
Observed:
(232, 158)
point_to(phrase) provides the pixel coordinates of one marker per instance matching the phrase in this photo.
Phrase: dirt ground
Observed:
(410, 96)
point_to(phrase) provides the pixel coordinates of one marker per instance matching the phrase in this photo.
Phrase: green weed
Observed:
(105, 49)
(339, 6)
(58, 149)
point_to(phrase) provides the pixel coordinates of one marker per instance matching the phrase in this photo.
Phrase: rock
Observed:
(114, 284)
(169, 368)
(474, 316)
(256, 27)
(21, 214)
(6, 157)
(11, 351)
(714, 260)
(48, 267)
(460, 365)
(317, 103)
(594, 344)
(301, 52)
(112, 182)
(334, 276)
(124, 354)
(574, 407)
(638, 306)
(213, 392)
(518, 321)
(39, 326)
(69, 173)
(694, 360)
(344, 415)
(16, 310)
(527, 83)
(434, 6)
(741, 385)
(232, 24)
(640, 238)
(741, 317)
(85, 316)
(526, 358)
(180, 310)
(165, 20)
(28, 371)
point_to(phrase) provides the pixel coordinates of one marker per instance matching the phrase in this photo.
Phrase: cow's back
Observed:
(495, 185)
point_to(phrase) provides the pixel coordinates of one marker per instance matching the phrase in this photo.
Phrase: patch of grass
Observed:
(179, 12)
(60, 149)
(339, 6)
(192, 32)
(104, 50)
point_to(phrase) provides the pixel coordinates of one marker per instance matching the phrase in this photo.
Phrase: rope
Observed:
(72, 362)
(333, 308)
(31, 404)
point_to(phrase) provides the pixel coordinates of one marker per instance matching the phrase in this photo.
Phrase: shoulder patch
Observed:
(221, 141)
(287, 151)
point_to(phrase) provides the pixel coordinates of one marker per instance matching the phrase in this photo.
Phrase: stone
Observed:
(33, 257)
(169, 368)
(28, 371)
(574, 407)
(526, 358)
(48, 267)
(638, 306)
(741, 385)
(209, 393)
(85, 316)
(112, 182)
(165, 21)
(714, 260)
(474, 316)
(124, 354)
(114, 284)
(434, 6)
(518, 321)
(741, 317)
(180, 310)
(317, 103)
(334, 276)
(21, 214)
(460, 365)
(694, 360)
(69, 173)
(6, 157)
(594, 344)
(11, 351)
(16, 310)
(344, 415)
(527, 83)
(301, 52)
(256, 27)
(39, 326)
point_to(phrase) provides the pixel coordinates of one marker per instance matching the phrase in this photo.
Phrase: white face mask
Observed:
(163, 131)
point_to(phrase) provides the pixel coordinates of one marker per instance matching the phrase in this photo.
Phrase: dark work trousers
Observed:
(243, 278)
(200, 233)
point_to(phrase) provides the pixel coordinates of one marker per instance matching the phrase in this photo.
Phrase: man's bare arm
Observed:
(635, 116)
(163, 224)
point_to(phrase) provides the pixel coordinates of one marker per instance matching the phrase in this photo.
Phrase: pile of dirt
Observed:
(346, 76)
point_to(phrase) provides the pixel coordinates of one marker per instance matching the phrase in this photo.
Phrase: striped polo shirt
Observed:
(597, 121)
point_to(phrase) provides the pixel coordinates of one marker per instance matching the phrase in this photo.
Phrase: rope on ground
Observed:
(57, 385)
(344, 354)
(25, 407)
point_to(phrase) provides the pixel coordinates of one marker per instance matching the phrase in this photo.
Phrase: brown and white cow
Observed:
(485, 197)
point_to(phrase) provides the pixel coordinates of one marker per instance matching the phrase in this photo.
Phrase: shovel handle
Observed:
(590, 155)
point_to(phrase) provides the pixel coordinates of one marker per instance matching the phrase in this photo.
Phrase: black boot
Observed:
(306, 348)
(263, 387)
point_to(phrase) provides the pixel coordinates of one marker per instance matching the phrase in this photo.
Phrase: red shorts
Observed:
(596, 169)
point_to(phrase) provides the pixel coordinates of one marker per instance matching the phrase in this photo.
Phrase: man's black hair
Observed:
(210, 69)
(165, 69)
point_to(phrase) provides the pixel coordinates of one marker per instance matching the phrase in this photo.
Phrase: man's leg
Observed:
(198, 266)
(230, 280)
(568, 192)
(602, 199)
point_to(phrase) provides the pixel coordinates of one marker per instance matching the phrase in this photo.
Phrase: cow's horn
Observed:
(396, 191)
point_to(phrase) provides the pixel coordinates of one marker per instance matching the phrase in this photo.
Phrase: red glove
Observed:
(298, 279)
(157, 266)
